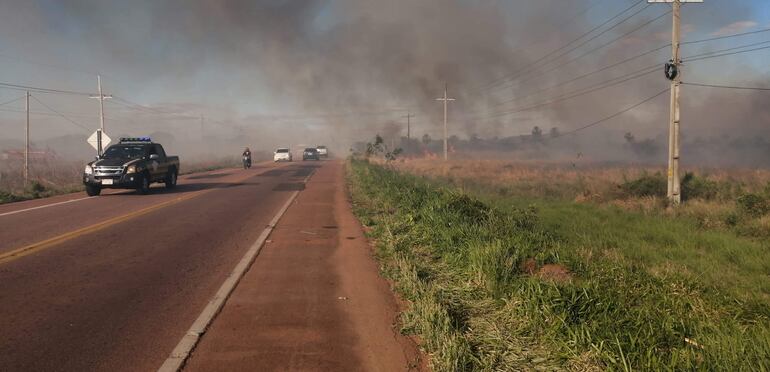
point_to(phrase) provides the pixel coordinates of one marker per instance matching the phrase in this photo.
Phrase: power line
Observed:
(13, 100)
(709, 55)
(613, 115)
(513, 75)
(725, 37)
(45, 113)
(41, 90)
(601, 46)
(725, 86)
(62, 115)
(607, 84)
(602, 69)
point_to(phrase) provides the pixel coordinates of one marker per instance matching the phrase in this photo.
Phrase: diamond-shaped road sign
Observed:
(94, 140)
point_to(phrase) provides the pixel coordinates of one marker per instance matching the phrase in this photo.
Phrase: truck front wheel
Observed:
(93, 190)
(144, 185)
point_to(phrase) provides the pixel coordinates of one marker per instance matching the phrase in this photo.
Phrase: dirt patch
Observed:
(554, 272)
(551, 272)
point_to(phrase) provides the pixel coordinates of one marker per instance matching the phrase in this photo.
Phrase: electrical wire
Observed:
(607, 84)
(12, 101)
(60, 114)
(725, 86)
(600, 46)
(513, 75)
(725, 37)
(707, 56)
(42, 90)
(595, 123)
(602, 69)
(642, 55)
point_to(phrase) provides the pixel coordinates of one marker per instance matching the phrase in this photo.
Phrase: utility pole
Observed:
(673, 73)
(408, 125)
(26, 148)
(101, 97)
(445, 99)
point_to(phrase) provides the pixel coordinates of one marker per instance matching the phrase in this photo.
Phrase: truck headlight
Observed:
(131, 169)
(89, 170)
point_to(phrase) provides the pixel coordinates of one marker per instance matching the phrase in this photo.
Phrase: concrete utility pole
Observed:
(445, 99)
(26, 148)
(408, 125)
(101, 97)
(673, 73)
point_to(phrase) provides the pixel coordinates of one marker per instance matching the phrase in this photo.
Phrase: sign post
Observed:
(99, 140)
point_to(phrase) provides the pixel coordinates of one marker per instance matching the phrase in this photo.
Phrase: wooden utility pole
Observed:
(408, 125)
(674, 73)
(446, 99)
(673, 136)
(26, 148)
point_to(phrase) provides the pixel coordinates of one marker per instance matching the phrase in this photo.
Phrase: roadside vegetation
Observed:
(499, 276)
(729, 200)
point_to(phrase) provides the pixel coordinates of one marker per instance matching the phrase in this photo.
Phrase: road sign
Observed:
(94, 140)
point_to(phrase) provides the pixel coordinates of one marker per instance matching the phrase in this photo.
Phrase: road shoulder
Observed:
(313, 300)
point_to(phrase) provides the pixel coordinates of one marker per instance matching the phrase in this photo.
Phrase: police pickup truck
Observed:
(133, 163)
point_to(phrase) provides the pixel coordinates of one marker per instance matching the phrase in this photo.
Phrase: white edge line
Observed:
(43, 206)
(184, 348)
(89, 197)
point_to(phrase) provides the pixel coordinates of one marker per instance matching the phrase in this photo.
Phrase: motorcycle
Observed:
(246, 162)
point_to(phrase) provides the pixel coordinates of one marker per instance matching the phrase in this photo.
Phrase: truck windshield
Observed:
(124, 152)
(282, 151)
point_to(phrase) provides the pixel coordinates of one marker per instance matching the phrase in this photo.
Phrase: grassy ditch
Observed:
(497, 285)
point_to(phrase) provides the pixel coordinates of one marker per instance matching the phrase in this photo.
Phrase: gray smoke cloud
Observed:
(276, 72)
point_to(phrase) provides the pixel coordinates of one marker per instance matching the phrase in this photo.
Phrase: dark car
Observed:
(310, 153)
(133, 163)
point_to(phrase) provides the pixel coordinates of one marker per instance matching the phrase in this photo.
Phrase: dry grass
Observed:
(601, 184)
(54, 174)
(575, 181)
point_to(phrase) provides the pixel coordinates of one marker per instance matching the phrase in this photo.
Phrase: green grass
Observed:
(645, 293)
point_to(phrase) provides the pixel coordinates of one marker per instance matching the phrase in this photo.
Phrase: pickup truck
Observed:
(133, 163)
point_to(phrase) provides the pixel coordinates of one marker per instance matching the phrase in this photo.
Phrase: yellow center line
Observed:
(17, 253)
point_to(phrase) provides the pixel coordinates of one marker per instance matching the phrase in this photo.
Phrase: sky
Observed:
(280, 71)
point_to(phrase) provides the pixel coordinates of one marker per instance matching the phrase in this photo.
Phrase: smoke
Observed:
(290, 73)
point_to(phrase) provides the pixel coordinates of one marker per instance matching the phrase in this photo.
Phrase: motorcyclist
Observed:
(247, 154)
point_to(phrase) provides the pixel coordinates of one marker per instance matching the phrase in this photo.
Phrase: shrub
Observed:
(694, 187)
(754, 205)
(36, 189)
(646, 185)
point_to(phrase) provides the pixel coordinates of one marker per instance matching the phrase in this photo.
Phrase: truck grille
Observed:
(104, 171)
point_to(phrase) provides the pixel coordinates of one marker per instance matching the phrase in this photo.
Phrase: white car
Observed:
(322, 151)
(282, 154)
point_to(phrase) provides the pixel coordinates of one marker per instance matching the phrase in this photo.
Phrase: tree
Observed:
(629, 137)
(537, 134)
(426, 139)
(555, 132)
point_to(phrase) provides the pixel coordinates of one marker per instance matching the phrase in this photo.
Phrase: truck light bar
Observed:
(135, 139)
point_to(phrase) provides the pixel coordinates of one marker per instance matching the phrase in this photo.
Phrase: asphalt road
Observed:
(113, 282)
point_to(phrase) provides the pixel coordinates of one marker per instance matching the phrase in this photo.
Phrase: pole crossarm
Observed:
(445, 99)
